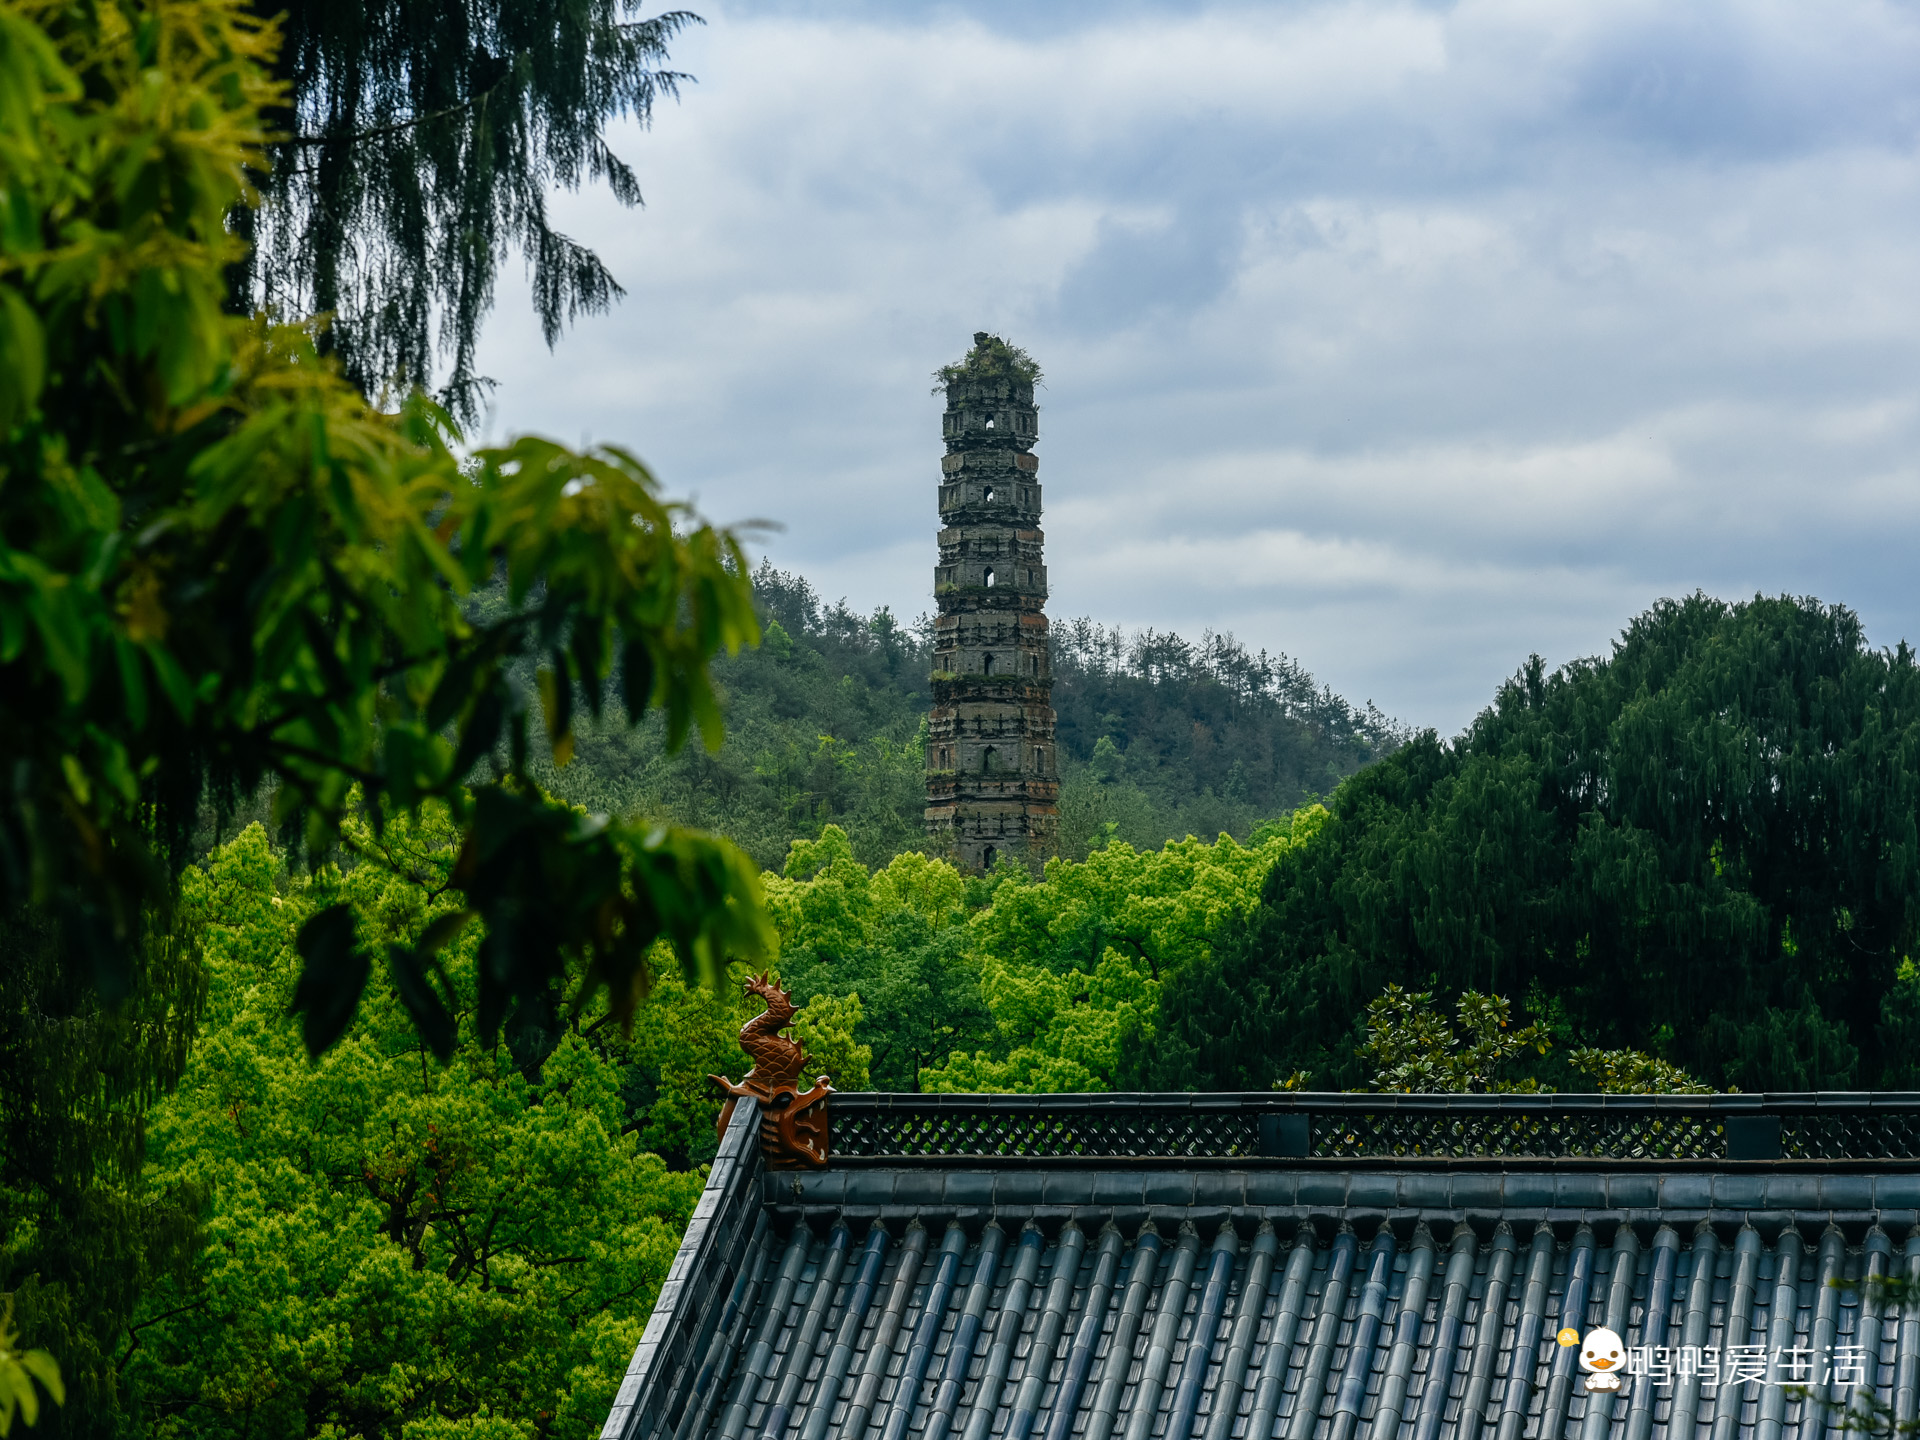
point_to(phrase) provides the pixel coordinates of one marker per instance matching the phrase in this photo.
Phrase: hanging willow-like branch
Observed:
(422, 139)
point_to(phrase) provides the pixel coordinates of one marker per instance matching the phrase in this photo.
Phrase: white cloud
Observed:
(1408, 339)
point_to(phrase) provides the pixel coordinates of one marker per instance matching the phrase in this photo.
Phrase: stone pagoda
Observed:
(992, 776)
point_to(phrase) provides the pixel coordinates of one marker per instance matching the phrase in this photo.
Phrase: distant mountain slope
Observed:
(1159, 737)
(1170, 738)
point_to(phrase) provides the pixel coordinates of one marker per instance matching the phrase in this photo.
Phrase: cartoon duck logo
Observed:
(1603, 1356)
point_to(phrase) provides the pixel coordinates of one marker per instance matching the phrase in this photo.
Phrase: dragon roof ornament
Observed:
(793, 1122)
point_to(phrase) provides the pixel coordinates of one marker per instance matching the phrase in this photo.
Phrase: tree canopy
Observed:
(391, 1246)
(416, 145)
(990, 358)
(1008, 982)
(219, 568)
(223, 574)
(1704, 847)
(1171, 737)
(398, 1248)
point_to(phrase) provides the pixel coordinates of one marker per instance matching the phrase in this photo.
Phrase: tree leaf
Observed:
(636, 677)
(416, 993)
(46, 1370)
(438, 935)
(23, 1392)
(335, 973)
(23, 357)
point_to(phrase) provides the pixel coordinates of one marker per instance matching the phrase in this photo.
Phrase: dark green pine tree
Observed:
(422, 138)
(1705, 845)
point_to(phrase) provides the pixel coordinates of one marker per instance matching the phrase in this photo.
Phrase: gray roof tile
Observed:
(935, 1300)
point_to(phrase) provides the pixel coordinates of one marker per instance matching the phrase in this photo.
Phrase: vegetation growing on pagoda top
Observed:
(991, 358)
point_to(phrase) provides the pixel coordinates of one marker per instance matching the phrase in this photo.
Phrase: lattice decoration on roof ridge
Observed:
(1404, 1135)
(1093, 1128)
(1874, 1135)
(1034, 1134)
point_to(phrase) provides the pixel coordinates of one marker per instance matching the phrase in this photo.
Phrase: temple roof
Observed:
(1307, 1267)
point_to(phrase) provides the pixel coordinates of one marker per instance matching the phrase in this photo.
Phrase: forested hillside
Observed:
(399, 1247)
(1167, 738)
(1705, 846)
(1689, 864)
(1159, 737)
(383, 1118)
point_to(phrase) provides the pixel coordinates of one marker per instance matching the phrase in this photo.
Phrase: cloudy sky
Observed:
(1406, 339)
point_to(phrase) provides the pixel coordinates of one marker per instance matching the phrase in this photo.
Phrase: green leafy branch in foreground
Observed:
(222, 571)
(19, 1369)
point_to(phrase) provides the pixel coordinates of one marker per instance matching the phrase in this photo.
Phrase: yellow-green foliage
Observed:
(891, 940)
(1122, 921)
(393, 1247)
(401, 1249)
(826, 1026)
(827, 900)
(1006, 983)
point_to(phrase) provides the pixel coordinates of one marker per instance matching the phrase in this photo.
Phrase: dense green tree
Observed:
(1702, 847)
(1005, 981)
(1072, 967)
(920, 997)
(220, 570)
(392, 1245)
(223, 573)
(1162, 737)
(81, 1235)
(1899, 1029)
(416, 145)
(896, 938)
